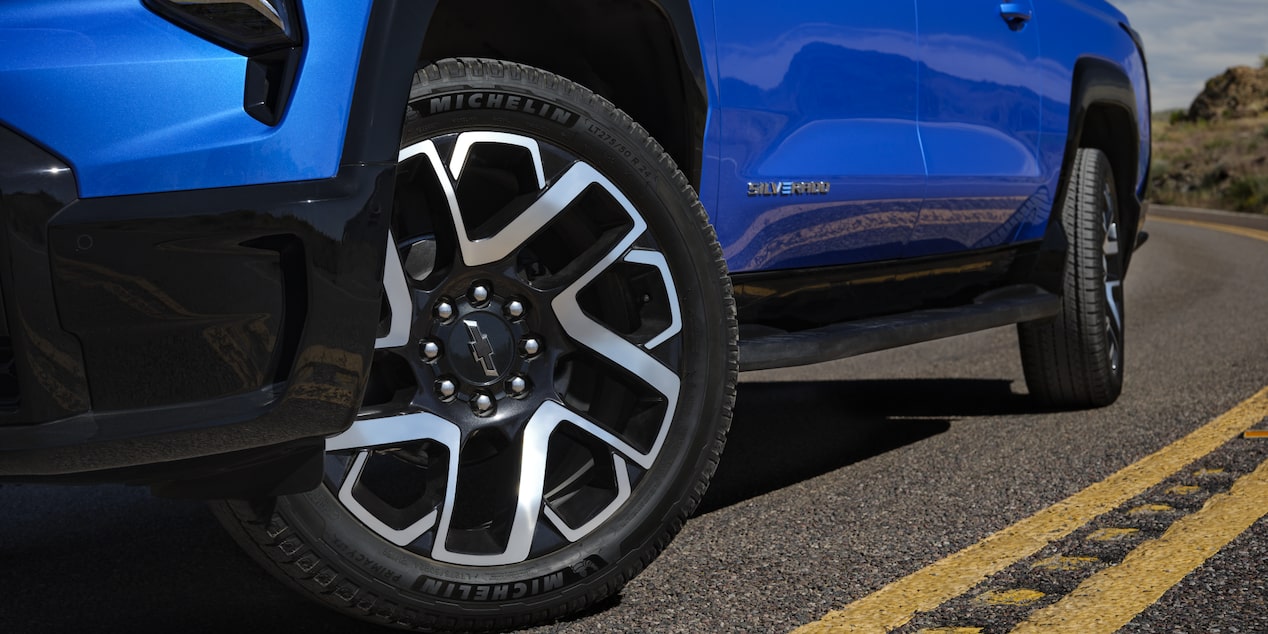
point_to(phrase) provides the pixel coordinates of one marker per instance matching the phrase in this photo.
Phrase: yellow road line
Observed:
(1111, 598)
(1247, 232)
(894, 605)
(1151, 509)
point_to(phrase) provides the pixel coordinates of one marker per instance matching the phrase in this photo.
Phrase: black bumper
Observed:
(167, 327)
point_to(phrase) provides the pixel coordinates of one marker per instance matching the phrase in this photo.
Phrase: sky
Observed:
(1190, 41)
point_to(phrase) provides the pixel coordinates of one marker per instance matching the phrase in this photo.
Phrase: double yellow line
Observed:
(894, 605)
(1111, 598)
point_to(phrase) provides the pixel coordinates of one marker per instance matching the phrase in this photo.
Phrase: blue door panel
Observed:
(816, 92)
(166, 112)
(980, 118)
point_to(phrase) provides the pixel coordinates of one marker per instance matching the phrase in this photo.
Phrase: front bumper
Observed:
(165, 327)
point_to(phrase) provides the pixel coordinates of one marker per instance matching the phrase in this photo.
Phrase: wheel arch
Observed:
(642, 55)
(1103, 116)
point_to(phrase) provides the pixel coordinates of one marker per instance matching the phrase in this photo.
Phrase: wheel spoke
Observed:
(462, 148)
(639, 458)
(623, 493)
(600, 339)
(1112, 268)
(400, 537)
(399, 302)
(489, 509)
(1114, 323)
(531, 489)
(1112, 290)
(365, 434)
(551, 202)
(657, 259)
(1111, 240)
(394, 430)
(536, 441)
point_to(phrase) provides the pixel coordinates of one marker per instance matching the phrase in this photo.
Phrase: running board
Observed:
(1002, 307)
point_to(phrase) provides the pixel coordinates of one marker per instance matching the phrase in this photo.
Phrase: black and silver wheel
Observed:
(554, 375)
(1075, 359)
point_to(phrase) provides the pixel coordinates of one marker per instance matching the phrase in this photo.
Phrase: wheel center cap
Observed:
(482, 348)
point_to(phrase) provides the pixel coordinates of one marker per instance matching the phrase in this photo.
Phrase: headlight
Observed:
(268, 32)
(248, 27)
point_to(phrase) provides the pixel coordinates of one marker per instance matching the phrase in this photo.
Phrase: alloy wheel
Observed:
(526, 373)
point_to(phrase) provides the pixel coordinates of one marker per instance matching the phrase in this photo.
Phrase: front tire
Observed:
(1075, 359)
(554, 377)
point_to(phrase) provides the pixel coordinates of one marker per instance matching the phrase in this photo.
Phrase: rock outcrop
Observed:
(1240, 92)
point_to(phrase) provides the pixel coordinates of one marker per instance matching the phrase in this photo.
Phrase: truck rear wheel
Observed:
(1075, 359)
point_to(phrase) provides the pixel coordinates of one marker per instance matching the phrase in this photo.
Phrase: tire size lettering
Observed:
(624, 151)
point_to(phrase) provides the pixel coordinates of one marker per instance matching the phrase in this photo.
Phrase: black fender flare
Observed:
(395, 28)
(691, 73)
(1100, 83)
(1097, 83)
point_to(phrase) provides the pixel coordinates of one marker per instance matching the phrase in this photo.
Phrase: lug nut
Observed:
(479, 294)
(531, 347)
(482, 403)
(444, 310)
(446, 389)
(514, 309)
(430, 349)
(517, 386)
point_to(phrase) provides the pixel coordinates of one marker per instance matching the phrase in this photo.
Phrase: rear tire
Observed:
(554, 376)
(1075, 359)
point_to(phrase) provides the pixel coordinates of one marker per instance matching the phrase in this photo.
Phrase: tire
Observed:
(491, 482)
(1075, 359)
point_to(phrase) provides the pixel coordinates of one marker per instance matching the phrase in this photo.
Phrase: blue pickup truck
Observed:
(443, 302)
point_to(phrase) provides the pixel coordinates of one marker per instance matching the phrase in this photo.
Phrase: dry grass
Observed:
(1218, 165)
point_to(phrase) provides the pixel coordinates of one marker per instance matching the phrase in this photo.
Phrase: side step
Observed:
(1001, 307)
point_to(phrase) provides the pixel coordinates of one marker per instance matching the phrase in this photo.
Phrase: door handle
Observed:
(1015, 14)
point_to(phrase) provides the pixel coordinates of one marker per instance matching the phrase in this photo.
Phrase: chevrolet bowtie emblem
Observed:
(481, 349)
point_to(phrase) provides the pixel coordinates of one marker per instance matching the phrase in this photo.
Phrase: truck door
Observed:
(820, 155)
(980, 110)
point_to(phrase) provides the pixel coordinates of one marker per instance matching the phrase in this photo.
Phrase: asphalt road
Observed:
(838, 479)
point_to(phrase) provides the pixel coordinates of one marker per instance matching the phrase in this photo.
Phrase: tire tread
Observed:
(1065, 358)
